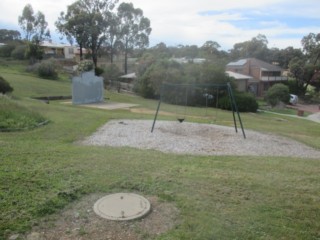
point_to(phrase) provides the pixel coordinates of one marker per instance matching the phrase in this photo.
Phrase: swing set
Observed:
(181, 92)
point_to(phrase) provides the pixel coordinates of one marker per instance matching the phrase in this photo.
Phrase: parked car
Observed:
(293, 99)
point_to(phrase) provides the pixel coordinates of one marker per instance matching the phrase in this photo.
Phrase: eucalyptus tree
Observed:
(87, 21)
(33, 24)
(113, 36)
(305, 69)
(257, 47)
(134, 29)
(311, 47)
(36, 30)
(210, 47)
(7, 35)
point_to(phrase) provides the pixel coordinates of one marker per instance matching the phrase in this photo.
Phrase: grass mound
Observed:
(15, 117)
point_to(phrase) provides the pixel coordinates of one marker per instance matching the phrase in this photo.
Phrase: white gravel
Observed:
(196, 139)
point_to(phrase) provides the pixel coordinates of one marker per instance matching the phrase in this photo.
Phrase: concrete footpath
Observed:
(314, 117)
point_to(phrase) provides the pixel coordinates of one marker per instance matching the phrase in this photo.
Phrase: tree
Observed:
(284, 56)
(34, 52)
(35, 28)
(113, 35)
(34, 25)
(302, 73)
(304, 69)
(134, 29)
(256, 47)
(311, 47)
(9, 35)
(211, 47)
(160, 50)
(6, 50)
(191, 51)
(87, 22)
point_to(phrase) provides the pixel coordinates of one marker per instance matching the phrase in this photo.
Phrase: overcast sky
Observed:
(189, 22)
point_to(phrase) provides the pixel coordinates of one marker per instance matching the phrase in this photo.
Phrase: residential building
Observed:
(63, 51)
(242, 80)
(263, 75)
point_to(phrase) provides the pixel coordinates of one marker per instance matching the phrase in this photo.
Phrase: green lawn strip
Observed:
(14, 116)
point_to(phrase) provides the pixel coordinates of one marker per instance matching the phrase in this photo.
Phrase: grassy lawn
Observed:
(219, 197)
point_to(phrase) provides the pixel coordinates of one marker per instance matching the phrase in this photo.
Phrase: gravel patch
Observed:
(196, 139)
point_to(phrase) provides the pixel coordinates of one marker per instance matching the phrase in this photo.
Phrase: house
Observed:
(188, 60)
(57, 50)
(126, 81)
(241, 80)
(60, 50)
(263, 75)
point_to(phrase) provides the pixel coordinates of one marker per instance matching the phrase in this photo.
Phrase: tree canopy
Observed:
(134, 29)
(87, 21)
(257, 47)
(7, 35)
(33, 24)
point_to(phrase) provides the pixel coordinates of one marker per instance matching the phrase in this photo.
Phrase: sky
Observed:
(193, 22)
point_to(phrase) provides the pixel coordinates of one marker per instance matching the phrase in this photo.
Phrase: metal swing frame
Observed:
(226, 86)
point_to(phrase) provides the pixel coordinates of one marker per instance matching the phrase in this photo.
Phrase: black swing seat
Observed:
(180, 119)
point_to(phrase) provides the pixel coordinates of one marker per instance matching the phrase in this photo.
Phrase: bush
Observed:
(246, 102)
(98, 71)
(4, 86)
(110, 75)
(19, 52)
(278, 93)
(6, 50)
(85, 66)
(48, 69)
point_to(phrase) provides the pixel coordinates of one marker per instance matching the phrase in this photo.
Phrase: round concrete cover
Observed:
(122, 206)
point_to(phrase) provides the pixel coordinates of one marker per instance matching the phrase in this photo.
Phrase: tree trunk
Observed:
(111, 55)
(81, 55)
(94, 59)
(126, 59)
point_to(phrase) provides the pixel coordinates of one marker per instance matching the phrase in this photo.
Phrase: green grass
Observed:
(15, 117)
(219, 197)
(28, 85)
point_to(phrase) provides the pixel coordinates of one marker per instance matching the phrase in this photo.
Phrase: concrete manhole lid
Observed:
(122, 206)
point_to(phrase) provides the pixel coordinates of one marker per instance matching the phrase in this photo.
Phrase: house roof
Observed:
(254, 63)
(238, 76)
(130, 75)
(54, 45)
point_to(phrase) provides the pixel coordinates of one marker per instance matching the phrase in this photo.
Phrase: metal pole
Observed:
(232, 107)
(236, 108)
(156, 115)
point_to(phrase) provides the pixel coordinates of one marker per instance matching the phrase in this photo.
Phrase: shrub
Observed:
(110, 75)
(278, 93)
(98, 71)
(19, 52)
(246, 102)
(6, 50)
(4, 86)
(85, 66)
(48, 69)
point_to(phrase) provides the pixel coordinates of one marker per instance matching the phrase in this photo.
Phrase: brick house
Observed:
(263, 75)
